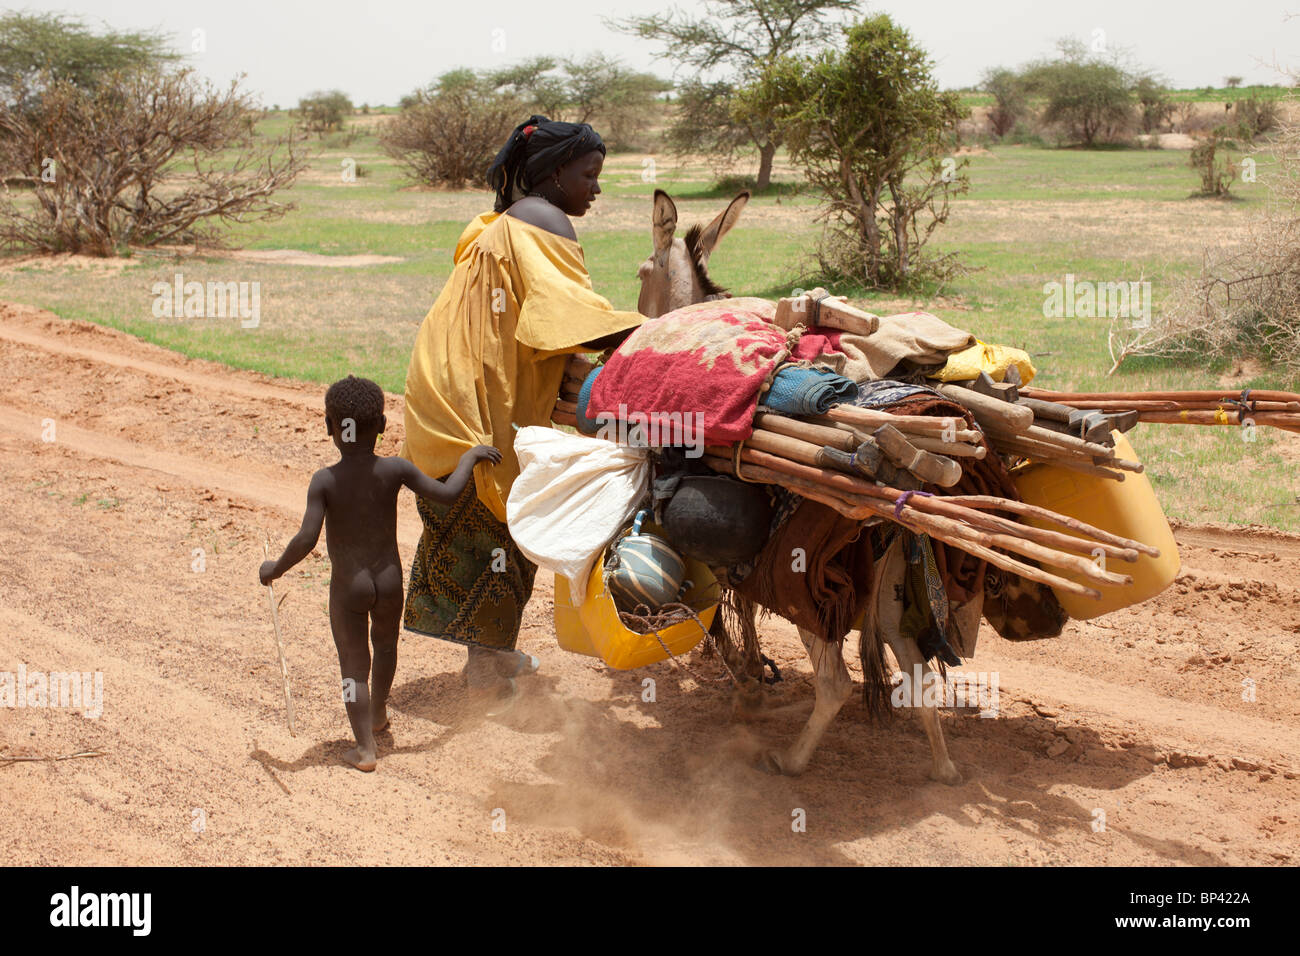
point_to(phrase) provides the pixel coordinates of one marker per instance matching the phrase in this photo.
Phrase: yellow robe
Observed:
(491, 351)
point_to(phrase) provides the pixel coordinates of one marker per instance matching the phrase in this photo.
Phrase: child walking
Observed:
(356, 499)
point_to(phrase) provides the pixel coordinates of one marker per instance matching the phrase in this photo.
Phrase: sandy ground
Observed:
(129, 546)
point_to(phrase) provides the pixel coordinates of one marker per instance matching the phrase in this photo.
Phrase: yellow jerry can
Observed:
(594, 628)
(1128, 508)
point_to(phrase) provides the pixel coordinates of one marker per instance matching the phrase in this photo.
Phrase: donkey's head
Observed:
(676, 274)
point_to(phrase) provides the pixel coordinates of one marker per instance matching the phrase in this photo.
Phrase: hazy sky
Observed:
(378, 51)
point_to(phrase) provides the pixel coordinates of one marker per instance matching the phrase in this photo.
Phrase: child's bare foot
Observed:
(365, 762)
(379, 718)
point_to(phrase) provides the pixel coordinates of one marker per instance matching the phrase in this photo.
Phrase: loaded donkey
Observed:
(676, 275)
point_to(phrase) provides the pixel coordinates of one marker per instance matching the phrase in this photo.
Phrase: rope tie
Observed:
(644, 621)
(901, 500)
(735, 464)
(1244, 404)
(817, 306)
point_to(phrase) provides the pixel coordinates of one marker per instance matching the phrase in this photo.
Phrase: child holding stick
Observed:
(356, 499)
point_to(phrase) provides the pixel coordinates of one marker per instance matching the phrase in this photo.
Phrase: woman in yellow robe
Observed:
(490, 356)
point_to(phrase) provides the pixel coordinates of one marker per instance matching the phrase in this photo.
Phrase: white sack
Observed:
(573, 494)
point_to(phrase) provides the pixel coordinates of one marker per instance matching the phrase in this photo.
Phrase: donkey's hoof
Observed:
(948, 774)
(776, 762)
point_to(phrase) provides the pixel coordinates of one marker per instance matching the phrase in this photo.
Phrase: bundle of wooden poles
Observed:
(865, 463)
(1242, 407)
(1023, 426)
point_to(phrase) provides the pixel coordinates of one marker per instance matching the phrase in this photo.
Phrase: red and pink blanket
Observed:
(710, 359)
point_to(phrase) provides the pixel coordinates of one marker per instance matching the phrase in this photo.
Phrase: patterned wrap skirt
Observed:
(469, 581)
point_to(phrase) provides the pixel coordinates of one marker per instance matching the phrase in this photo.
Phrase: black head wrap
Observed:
(533, 150)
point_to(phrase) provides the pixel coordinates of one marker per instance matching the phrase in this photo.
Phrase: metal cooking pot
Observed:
(718, 520)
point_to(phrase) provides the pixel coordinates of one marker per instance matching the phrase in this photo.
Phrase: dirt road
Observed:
(129, 545)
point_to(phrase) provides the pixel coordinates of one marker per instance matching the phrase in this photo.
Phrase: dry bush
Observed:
(447, 135)
(1246, 299)
(1192, 118)
(142, 158)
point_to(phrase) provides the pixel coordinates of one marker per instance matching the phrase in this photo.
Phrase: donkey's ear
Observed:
(663, 223)
(720, 226)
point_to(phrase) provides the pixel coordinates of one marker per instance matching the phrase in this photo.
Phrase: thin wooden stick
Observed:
(863, 431)
(1089, 449)
(808, 431)
(1205, 395)
(1163, 405)
(13, 758)
(954, 449)
(994, 503)
(1054, 539)
(1083, 467)
(943, 529)
(1042, 452)
(872, 419)
(279, 646)
(1220, 417)
(854, 490)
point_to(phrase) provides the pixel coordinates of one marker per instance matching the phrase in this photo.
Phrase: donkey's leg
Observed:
(910, 660)
(833, 685)
(747, 695)
(884, 620)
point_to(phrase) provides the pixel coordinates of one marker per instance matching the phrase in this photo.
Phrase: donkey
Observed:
(676, 275)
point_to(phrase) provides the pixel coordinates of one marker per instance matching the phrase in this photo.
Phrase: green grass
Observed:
(1031, 216)
(971, 99)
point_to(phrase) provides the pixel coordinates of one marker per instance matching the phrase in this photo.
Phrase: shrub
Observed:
(1010, 102)
(447, 134)
(1246, 300)
(143, 158)
(873, 131)
(1154, 105)
(323, 112)
(1087, 99)
(1254, 116)
(1213, 165)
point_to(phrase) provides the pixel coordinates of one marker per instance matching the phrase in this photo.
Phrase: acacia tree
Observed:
(1154, 105)
(61, 47)
(871, 129)
(1009, 100)
(142, 158)
(744, 38)
(1086, 96)
(591, 89)
(322, 111)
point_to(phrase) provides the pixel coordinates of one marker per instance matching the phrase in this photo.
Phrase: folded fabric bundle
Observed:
(829, 593)
(807, 391)
(588, 426)
(907, 341)
(888, 392)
